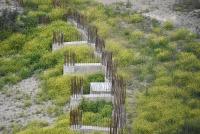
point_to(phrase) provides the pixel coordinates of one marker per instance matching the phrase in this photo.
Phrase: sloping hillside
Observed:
(181, 14)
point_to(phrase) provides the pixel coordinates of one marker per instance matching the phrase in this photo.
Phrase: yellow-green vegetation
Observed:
(168, 25)
(37, 127)
(136, 18)
(27, 51)
(96, 113)
(161, 57)
(166, 59)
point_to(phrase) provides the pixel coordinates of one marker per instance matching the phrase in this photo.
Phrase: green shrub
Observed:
(90, 106)
(136, 18)
(106, 111)
(98, 113)
(24, 72)
(38, 127)
(182, 34)
(95, 14)
(122, 55)
(165, 80)
(168, 25)
(188, 61)
(99, 77)
(57, 89)
(54, 110)
(2, 83)
(56, 14)
(103, 29)
(12, 79)
(163, 55)
(182, 78)
(157, 41)
(136, 36)
(157, 30)
(156, 114)
(12, 45)
(29, 21)
(52, 72)
(44, 8)
(193, 47)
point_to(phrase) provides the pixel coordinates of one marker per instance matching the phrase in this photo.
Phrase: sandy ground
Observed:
(163, 10)
(11, 5)
(18, 105)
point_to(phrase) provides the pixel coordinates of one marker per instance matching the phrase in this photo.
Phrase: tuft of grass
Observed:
(136, 36)
(27, 103)
(168, 25)
(182, 34)
(40, 127)
(157, 41)
(136, 18)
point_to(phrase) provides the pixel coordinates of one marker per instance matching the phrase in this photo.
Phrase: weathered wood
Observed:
(76, 117)
(56, 3)
(43, 19)
(69, 58)
(99, 44)
(58, 37)
(76, 86)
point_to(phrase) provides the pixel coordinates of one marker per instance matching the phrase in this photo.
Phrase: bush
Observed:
(166, 119)
(136, 18)
(168, 25)
(99, 112)
(95, 107)
(188, 61)
(193, 47)
(12, 79)
(95, 14)
(161, 81)
(57, 89)
(103, 29)
(24, 72)
(38, 127)
(122, 55)
(157, 41)
(99, 77)
(157, 30)
(136, 36)
(182, 34)
(56, 14)
(163, 55)
(182, 78)
(12, 45)
(29, 21)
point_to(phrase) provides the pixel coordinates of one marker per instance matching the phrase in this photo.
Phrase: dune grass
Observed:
(164, 57)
